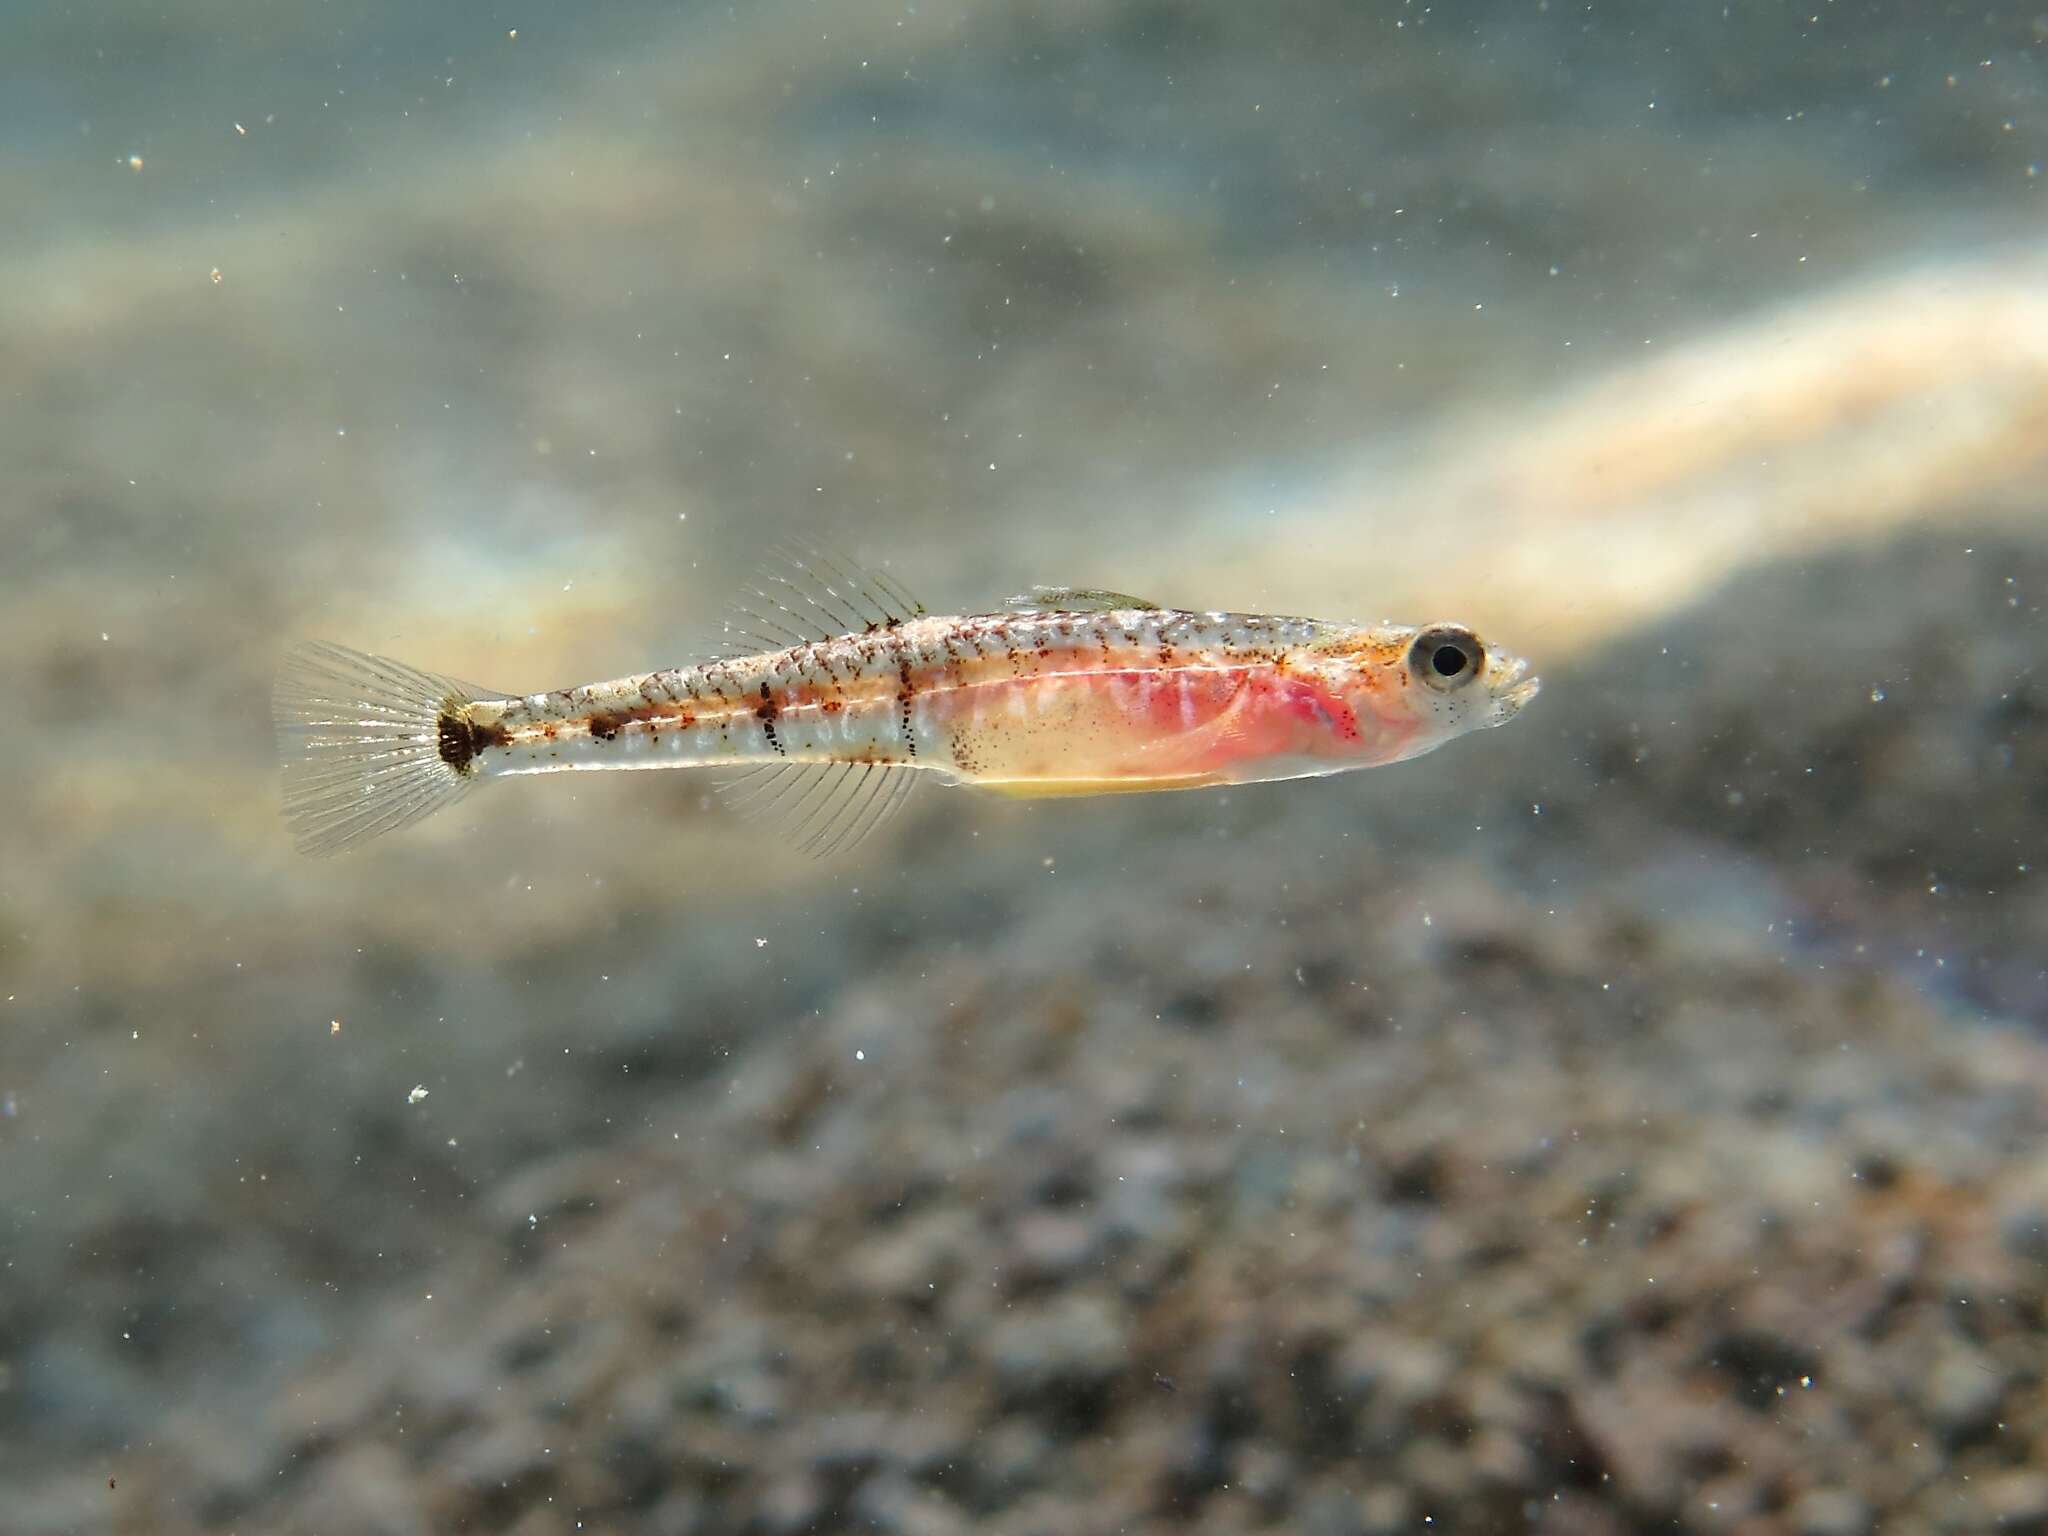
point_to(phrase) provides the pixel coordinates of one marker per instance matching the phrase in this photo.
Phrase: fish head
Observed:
(1429, 682)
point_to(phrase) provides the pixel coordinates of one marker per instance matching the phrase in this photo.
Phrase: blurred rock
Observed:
(502, 1468)
(1830, 1512)
(1961, 1392)
(1051, 1246)
(2015, 1502)
(1386, 1511)
(792, 1503)
(366, 1488)
(1064, 1356)
(2025, 1230)
(891, 1506)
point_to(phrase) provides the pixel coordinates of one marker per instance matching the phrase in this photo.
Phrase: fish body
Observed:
(1031, 703)
(1062, 693)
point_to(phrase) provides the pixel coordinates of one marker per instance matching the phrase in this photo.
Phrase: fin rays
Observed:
(361, 740)
(808, 594)
(1075, 600)
(823, 809)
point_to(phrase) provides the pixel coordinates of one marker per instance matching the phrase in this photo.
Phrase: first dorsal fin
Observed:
(1075, 600)
(802, 593)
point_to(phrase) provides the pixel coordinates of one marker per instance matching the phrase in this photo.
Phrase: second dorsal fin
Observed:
(1075, 600)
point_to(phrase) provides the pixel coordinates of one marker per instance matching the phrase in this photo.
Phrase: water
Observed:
(1630, 1119)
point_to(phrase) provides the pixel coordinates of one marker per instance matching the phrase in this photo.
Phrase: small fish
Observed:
(841, 693)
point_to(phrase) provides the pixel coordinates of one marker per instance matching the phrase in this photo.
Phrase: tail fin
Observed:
(368, 744)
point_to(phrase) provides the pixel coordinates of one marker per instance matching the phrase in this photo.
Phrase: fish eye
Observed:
(1446, 657)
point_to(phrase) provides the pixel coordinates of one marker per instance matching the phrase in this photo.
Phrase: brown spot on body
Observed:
(766, 715)
(604, 727)
(907, 693)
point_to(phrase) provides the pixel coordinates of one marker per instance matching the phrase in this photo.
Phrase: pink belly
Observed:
(1127, 729)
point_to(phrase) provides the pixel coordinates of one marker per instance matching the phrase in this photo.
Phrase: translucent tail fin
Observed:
(368, 744)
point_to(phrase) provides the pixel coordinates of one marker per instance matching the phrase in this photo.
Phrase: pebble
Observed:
(1830, 1512)
(1052, 1245)
(1961, 1392)
(1330, 1512)
(2016, 1502)
(1062, 1353)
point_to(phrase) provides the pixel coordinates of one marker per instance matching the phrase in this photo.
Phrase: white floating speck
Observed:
(418, 1092)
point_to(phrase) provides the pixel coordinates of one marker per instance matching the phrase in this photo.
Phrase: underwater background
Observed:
(1632, 1120)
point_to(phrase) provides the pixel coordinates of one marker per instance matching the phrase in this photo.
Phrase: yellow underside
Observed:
(1048, 789)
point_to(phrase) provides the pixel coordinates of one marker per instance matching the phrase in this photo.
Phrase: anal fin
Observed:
(823, 809)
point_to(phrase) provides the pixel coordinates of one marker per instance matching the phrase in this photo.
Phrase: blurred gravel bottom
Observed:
(1524, 1186)
(1629, 1121)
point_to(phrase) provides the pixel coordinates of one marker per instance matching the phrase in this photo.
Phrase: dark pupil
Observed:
(1449, 661)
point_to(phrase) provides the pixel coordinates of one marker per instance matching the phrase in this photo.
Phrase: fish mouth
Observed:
(1511, 687)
